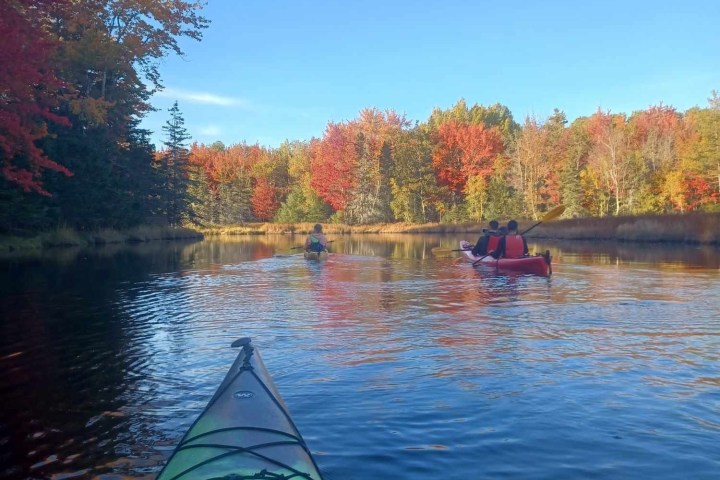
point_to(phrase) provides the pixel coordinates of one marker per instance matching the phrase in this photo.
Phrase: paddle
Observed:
(551, 215)
(480, 259)
(443, 250)
(295, 248)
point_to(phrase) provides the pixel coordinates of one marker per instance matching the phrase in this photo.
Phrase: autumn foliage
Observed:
(333, 165)
(75, 77)
(461, 167)
(265, 200)
(465, 150)
(29, 92)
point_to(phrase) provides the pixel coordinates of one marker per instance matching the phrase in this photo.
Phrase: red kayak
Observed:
(537, 264)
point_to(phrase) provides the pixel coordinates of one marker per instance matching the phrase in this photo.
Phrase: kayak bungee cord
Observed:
(237, 450)
(212, 453)
(262, 475)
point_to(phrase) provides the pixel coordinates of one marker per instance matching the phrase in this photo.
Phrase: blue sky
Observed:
(267, 71)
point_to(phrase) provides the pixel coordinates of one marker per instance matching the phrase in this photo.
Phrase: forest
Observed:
(76, 78)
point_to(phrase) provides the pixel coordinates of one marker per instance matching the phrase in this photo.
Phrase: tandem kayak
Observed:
(316, 255)
(537, 264)
(245, 432)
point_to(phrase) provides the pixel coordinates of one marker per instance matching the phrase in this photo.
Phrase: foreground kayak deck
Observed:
(245, 432)
(537, 264)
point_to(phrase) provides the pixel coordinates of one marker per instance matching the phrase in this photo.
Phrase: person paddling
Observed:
(489, 236)
(512, 245)
(316, 241)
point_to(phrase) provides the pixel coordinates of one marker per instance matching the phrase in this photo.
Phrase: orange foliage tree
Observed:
(463, 151)
(333, 164)
(265, 199)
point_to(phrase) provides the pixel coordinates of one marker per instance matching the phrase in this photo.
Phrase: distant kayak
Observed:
(316, 255)
(245, 431)
(537, 264)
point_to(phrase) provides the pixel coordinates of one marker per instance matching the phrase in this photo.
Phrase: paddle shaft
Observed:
(480, 259)
(552, 214)
(303, 246)
(525, 231)
(440, 250)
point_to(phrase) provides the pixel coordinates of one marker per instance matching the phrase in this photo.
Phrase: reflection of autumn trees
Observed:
(613, 253)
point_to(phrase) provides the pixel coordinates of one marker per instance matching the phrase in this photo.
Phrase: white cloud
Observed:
(202, 97)
(210, 130)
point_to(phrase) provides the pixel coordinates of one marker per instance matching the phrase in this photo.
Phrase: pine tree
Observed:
(175, 168)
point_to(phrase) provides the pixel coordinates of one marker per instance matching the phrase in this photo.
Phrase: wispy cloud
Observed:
(210, 130)
(203, 98)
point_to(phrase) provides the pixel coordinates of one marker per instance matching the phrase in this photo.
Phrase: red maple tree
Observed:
(265, 200)
(29, 89)
(332, 165)
(463, 151)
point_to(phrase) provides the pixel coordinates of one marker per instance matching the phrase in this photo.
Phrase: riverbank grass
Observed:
(695, 228)
(68, 237)
(340, 229)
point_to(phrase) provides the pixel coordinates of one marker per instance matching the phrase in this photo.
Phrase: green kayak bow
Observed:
(245, 432)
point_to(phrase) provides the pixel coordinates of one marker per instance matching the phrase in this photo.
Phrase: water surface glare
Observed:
(395, 364)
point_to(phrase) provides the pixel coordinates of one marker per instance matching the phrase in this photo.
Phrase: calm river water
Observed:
(395, 364)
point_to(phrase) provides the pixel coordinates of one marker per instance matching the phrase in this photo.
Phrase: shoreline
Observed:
(68, 237)
(693, 229)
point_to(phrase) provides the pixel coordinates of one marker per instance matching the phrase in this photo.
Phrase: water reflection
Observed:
(395, 363)
(657, 255)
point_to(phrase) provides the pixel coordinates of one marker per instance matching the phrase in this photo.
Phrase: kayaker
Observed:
(481, 246)
(512, 245)
(316, 241)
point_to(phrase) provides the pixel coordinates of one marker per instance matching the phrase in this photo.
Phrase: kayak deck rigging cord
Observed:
(230, 450)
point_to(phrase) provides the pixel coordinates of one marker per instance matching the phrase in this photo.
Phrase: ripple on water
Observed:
(392, 368)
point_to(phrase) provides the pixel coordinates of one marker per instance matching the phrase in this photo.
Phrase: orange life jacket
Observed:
(514, 246)
(493, 241)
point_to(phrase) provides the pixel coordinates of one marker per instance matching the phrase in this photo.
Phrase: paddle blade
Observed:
(554, 213)
(448, 250)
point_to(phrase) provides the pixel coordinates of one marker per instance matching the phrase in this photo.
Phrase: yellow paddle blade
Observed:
(554, 213)
(444, 251)
(441, 252)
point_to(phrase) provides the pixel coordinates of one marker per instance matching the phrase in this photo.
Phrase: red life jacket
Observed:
(493, 241)
(514, 246)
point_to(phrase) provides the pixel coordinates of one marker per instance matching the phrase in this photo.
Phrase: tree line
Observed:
(467, 163)
(78, 74)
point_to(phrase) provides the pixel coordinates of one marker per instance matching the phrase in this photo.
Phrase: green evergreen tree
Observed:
(201, 198)
(233, 199)
(175, 168)
(413, 182)
(303, 205)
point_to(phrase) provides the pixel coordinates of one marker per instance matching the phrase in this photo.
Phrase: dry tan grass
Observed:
(340, 229)
(699, 228)
(690, 228)
(106, 236)
(146, 233)
(63, 237)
